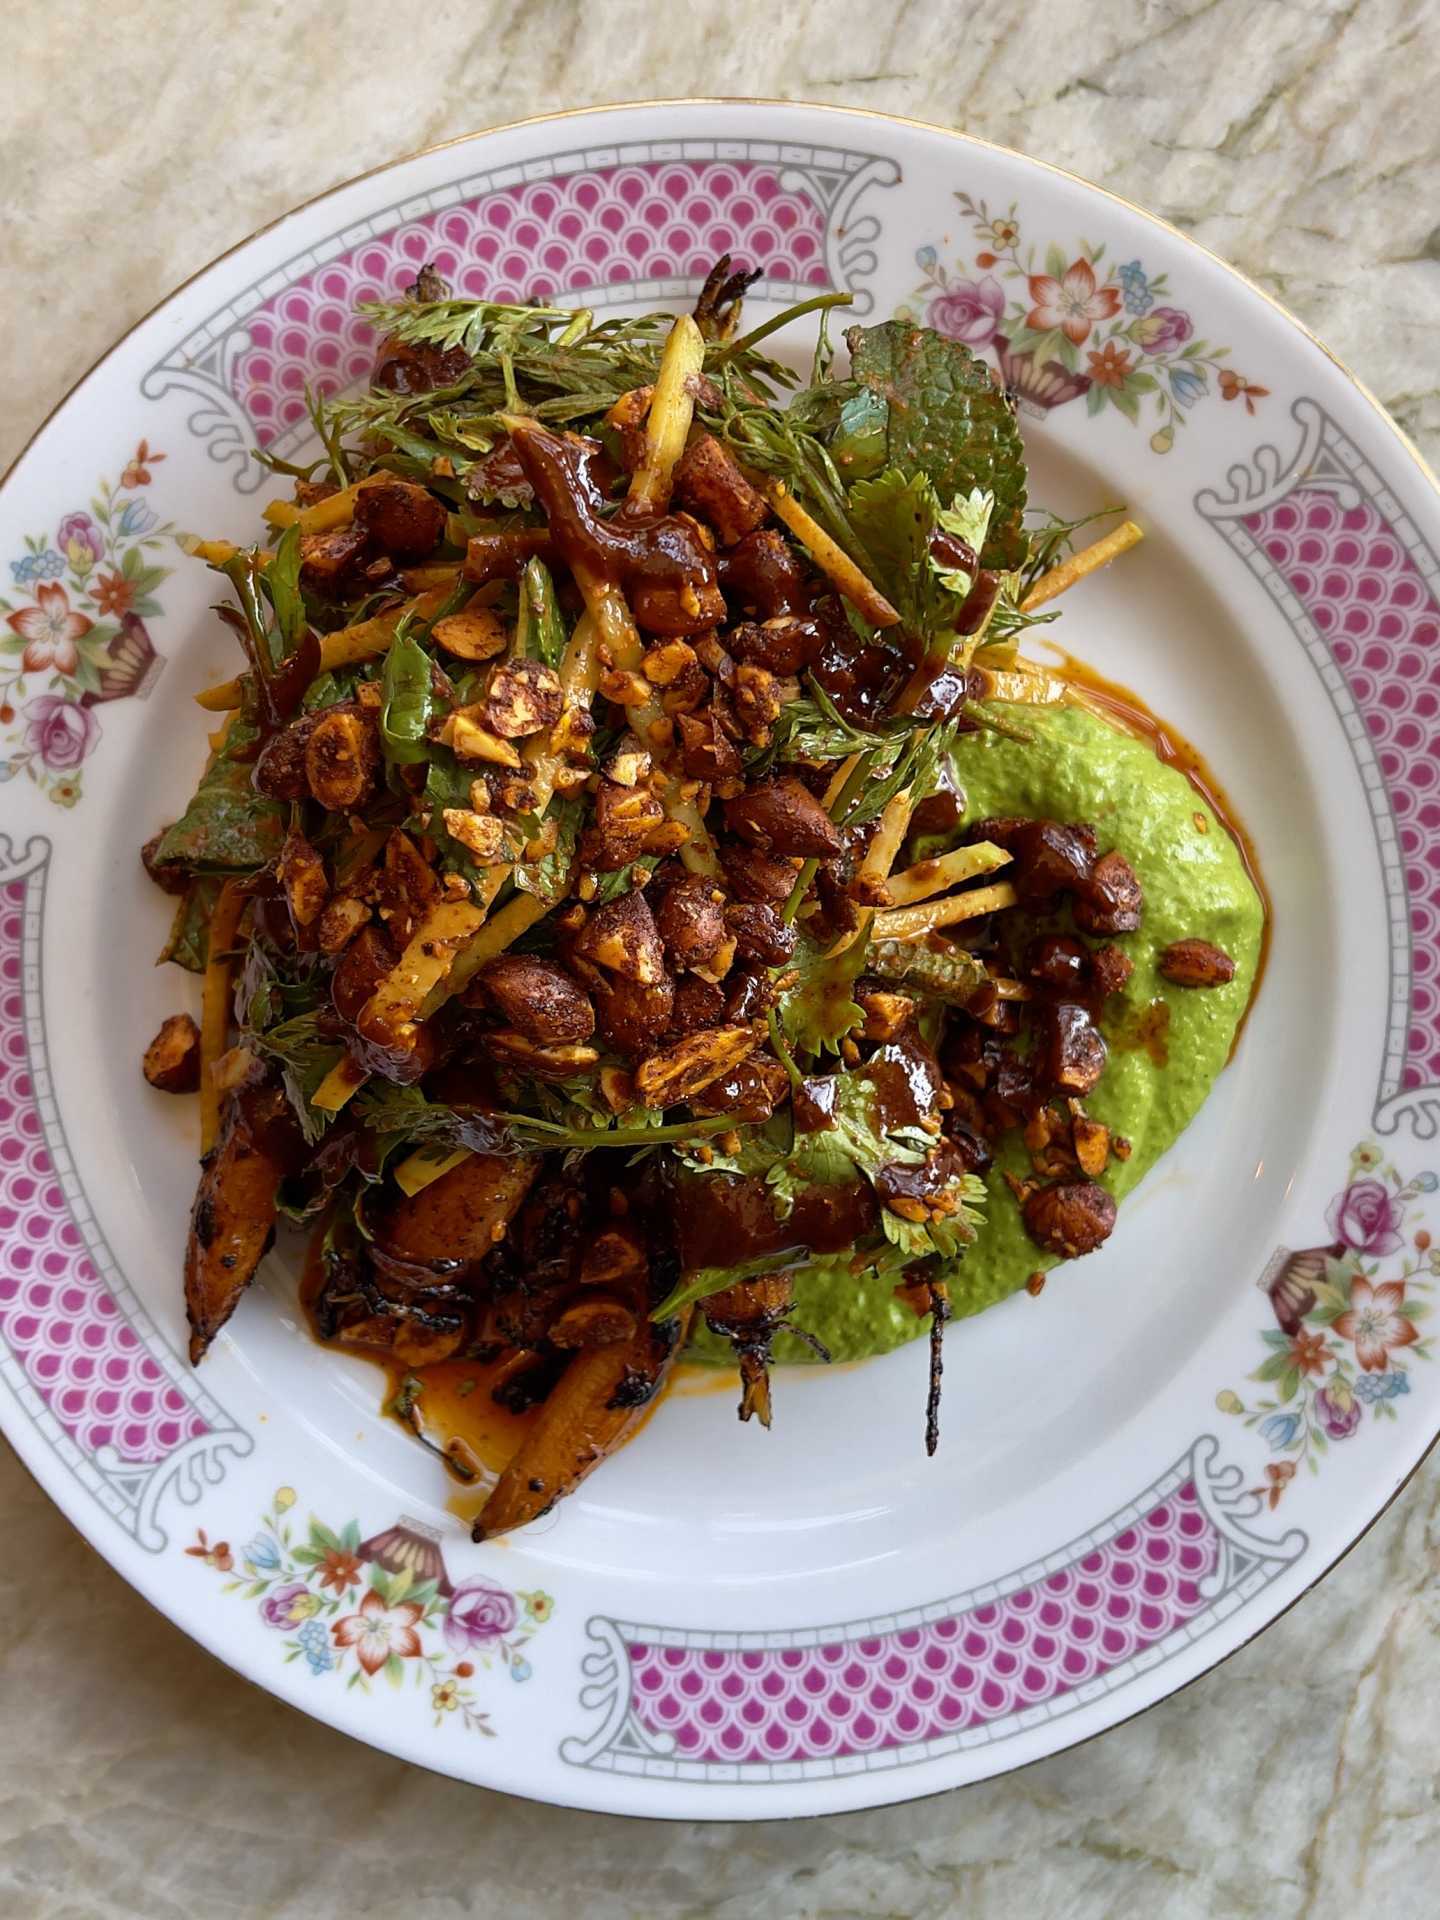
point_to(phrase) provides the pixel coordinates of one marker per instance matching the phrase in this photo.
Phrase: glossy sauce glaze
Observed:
(474, 1433)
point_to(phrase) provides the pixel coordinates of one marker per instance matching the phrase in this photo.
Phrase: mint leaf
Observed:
(945, 418)
(227, 827)
(189, 942)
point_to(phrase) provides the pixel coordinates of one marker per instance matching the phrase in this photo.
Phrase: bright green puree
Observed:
(1079, 769)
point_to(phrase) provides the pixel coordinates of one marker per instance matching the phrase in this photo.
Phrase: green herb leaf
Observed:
(861, 441)
(704, 1281)
(945, 418)
(610, 886)
(920, 766)
(334, 685)
(549, 877)
(819, 1010)
(306, 1056)
(406, 700)
(188, 944)
(968, 519)
(228, 827)
(447, 783)
(541, 633)
(282, 578)
(894, 515)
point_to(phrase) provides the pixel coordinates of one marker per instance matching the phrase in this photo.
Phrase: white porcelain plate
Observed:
(1141, 1468)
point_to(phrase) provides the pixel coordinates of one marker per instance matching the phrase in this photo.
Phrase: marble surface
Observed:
(137, 1777)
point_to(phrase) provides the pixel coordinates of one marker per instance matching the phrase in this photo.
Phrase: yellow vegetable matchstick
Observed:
(1089, 560)
(908, 923)
(929, 877)
(366, 640)
(829, 556)
(672, 409)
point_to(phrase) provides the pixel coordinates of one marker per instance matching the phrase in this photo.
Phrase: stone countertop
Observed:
(1298, 1780)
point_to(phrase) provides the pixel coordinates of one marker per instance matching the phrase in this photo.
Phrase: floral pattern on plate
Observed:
(1064, 324)
(72, 632)
(1348, 1322)
(379, 1606)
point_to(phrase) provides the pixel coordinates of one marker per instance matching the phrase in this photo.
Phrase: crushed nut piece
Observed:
(338, 924)
(342, 754)
(622, 937)
(172, 1059)
(886, 1014)
(614, 1254)
(1092, 1144)
(301, 872)
(476, 633)
(1196, 963)
(664, 664)
(560, 1061)
(479, 833)
(689, 1065)
(625, 689)
(524, 698)
(468, 740)
(592, 1323)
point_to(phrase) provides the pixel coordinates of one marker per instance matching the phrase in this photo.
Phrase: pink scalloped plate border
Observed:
(62, 1324)
(598, 230)
(915, 1684)
(1369, 600)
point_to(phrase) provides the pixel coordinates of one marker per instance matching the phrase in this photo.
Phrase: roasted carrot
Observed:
(596, 1405)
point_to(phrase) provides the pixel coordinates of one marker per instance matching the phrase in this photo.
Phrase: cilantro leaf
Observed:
(855, 1145)
(944, 1239)
(944, 418)
(895, 515)
(819, 1010)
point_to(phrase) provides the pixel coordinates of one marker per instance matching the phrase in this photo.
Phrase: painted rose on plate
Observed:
(968, 310)
(382, 1606)
(72, 633)
(60, 732)
(478, 1615)
(1367, 1217)
(1349, 1324)
(1065, 323)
